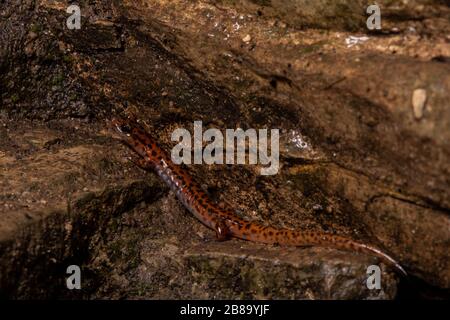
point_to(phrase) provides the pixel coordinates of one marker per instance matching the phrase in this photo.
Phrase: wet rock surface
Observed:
(364, 146)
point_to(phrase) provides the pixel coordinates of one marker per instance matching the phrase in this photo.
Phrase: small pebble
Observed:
(317, 207)
(32, 35)
(247, 38)
(419, 99)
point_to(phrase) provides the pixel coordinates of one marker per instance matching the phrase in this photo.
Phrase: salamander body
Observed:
(224, 221)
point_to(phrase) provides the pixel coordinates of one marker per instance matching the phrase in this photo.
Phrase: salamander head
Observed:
(130, 132)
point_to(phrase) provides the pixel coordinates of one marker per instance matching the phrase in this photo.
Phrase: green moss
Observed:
(143, 290)
(58, 80)
(36, 28)
(68, 58)
(314, 47)
(50, 57)
(14, 98)
(310, 181)
(125, 251)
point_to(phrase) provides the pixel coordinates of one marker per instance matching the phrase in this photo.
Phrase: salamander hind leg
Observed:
(222, 231)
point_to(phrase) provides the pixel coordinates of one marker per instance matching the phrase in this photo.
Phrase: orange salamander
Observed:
(225, 223)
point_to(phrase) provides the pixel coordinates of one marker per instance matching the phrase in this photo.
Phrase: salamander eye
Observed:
(123, 128)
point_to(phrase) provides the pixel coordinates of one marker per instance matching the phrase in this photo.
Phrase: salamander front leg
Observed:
(142, 163)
